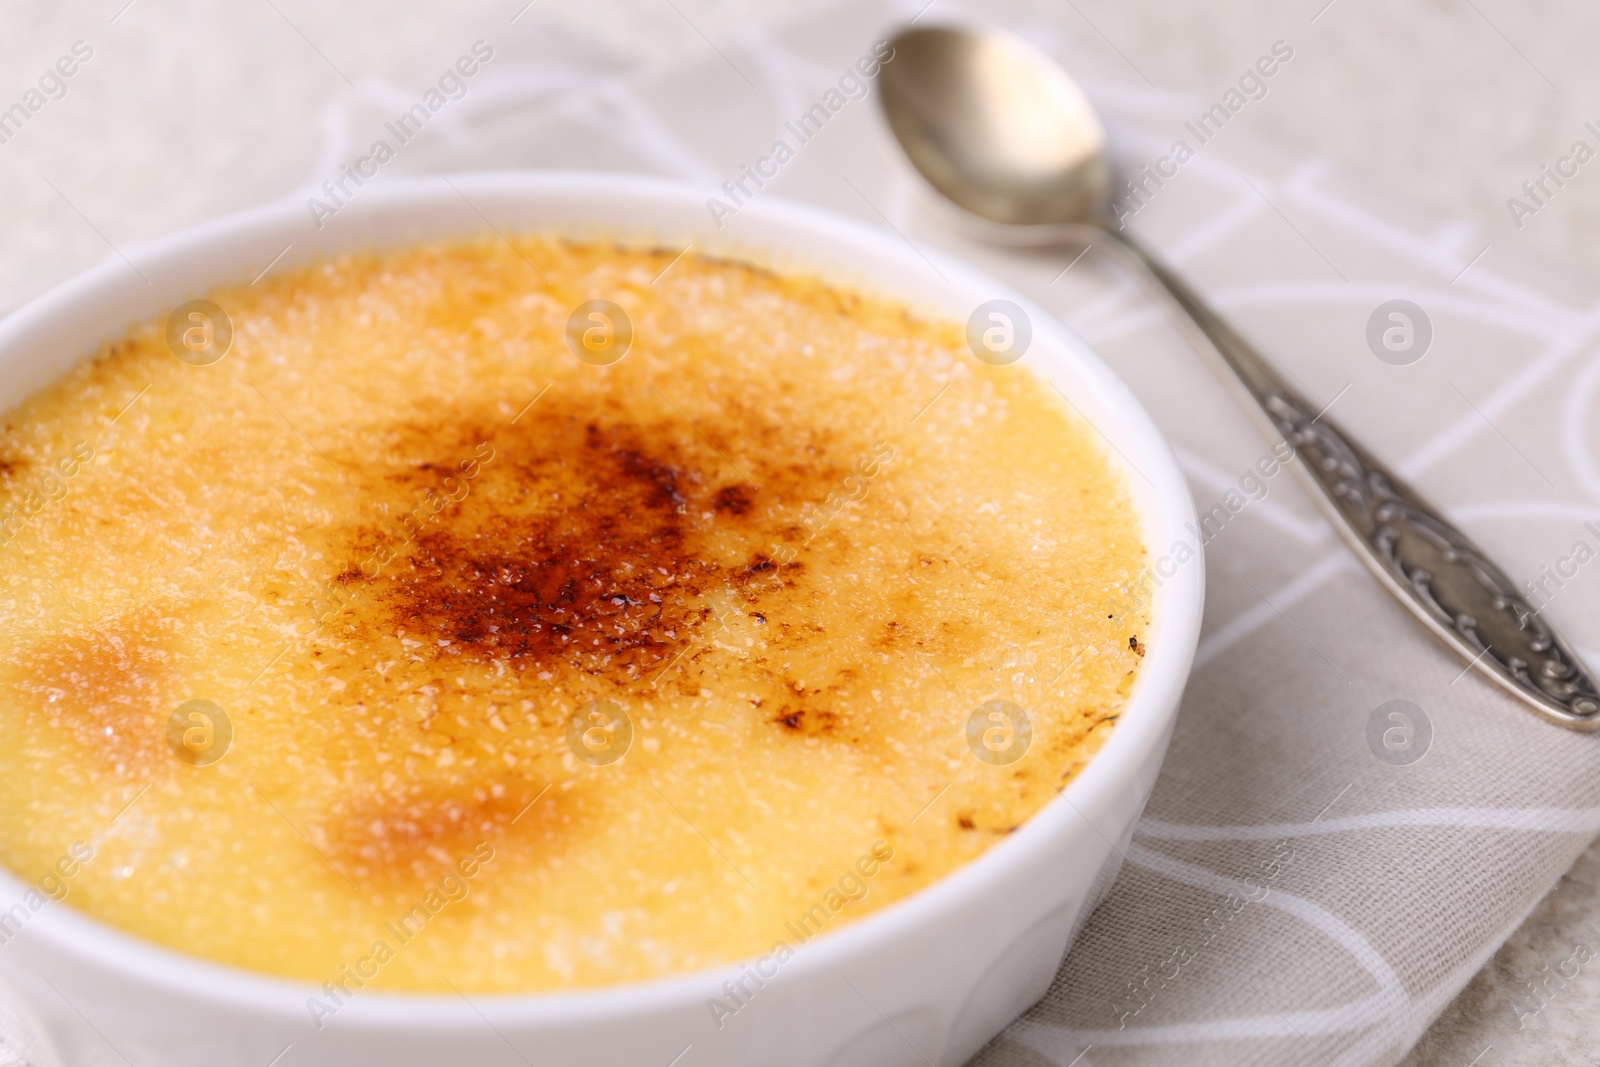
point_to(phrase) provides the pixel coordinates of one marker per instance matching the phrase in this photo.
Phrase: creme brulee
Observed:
(528, 671)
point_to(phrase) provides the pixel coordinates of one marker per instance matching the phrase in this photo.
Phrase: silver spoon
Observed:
(1002, 131)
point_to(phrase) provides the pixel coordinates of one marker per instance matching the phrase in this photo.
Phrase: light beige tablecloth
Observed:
(1295, 894)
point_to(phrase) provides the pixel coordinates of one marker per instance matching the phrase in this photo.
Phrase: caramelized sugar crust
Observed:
(402, 537)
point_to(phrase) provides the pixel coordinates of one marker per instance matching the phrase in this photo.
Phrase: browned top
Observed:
(405, 540)
(589, 548)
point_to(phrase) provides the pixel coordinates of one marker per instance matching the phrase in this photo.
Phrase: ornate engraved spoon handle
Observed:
(1432, 567)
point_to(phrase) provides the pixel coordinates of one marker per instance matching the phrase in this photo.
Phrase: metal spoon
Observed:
(1002, 131)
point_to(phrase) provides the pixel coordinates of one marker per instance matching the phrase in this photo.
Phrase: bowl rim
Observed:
(1144, 723)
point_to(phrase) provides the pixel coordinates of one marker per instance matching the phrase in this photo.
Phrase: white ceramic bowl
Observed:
(926, 981)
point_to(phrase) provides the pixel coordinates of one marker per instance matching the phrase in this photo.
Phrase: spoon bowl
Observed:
(996, 127)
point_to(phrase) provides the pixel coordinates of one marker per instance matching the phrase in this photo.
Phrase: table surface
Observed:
(187, 110)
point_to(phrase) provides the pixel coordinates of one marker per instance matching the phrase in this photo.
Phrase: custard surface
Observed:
(401, 536)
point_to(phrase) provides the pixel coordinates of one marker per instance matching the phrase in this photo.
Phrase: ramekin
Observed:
(928, 980)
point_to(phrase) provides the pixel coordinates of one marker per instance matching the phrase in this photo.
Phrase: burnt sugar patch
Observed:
(597, 543)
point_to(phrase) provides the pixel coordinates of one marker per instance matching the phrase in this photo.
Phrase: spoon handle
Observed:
(1446, 580)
